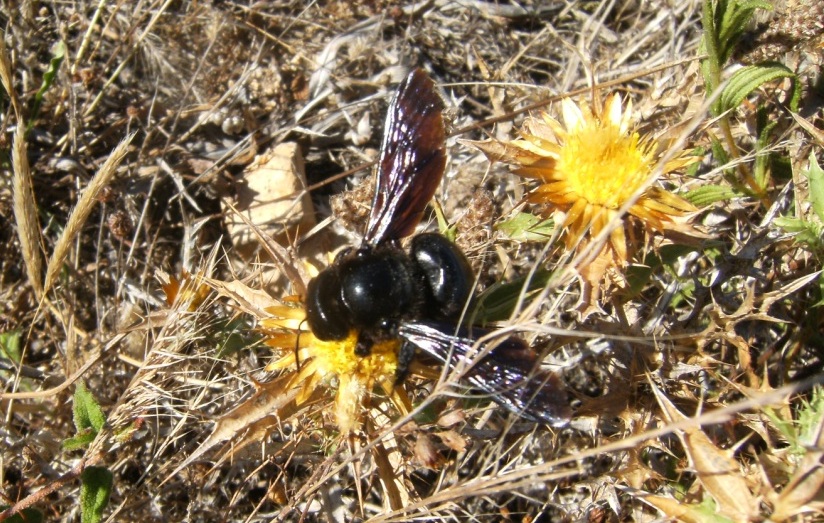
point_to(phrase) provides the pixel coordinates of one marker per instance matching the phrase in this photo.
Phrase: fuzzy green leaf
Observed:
(711, 65)
(87, 412)
(748, 79)
(790, 224)
(734, 18)
(724, 22)
(816, 177)
(95, 489)
(525, 227)
(80, 440)
(709, 194)
(806, 232)
(761, 169)
(721, 156)
(58, 53)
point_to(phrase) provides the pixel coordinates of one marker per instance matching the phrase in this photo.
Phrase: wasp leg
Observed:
(405, 355)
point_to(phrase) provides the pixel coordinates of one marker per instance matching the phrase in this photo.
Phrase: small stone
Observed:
(271, 194)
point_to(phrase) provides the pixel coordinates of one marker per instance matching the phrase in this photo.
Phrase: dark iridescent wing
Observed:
(412, 160)
(509, 373)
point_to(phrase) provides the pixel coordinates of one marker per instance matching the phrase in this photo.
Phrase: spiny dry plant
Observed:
(637, 186)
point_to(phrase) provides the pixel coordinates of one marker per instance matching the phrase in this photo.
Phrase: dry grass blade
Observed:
(81, 212)
(810, 128)
(25, 210)
(396, 493)
(6, 77)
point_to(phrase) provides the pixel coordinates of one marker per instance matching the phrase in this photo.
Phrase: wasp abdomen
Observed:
(447, 274)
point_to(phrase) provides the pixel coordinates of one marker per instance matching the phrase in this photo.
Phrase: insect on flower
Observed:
(378, 303)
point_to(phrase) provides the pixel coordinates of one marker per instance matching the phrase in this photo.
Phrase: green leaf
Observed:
(498, 301)
(786, 427)
(761, 170)
(801, 432)
(88, 419)
(27, 515)
(718, 151)
(809, 232)
(809, 417)
(734, 18)
(724, 21)
(806, 232)
(795, 99)
(790, 224)
(638, 276)
(709, 194)
(748, 79)
(80, 441)
(527, 227)
(707, 511)
(95, 489)
(711, 65)
(232, 336)
(58, 53)
(721, 156)
(87, 412)
(10, 345)
(692, 169)
(816, 177)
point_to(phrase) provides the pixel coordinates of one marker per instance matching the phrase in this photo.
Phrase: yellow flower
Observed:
(591, 168)
(333, 364)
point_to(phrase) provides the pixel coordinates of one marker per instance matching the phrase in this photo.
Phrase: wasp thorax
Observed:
(377, 286)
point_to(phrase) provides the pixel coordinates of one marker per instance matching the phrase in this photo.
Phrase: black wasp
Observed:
(383, 292)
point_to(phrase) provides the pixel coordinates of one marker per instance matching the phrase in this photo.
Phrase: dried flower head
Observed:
(334, 364)
(590, 169)
(189, 291)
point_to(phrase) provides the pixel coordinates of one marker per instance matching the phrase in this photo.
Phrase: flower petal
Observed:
(572, 115)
